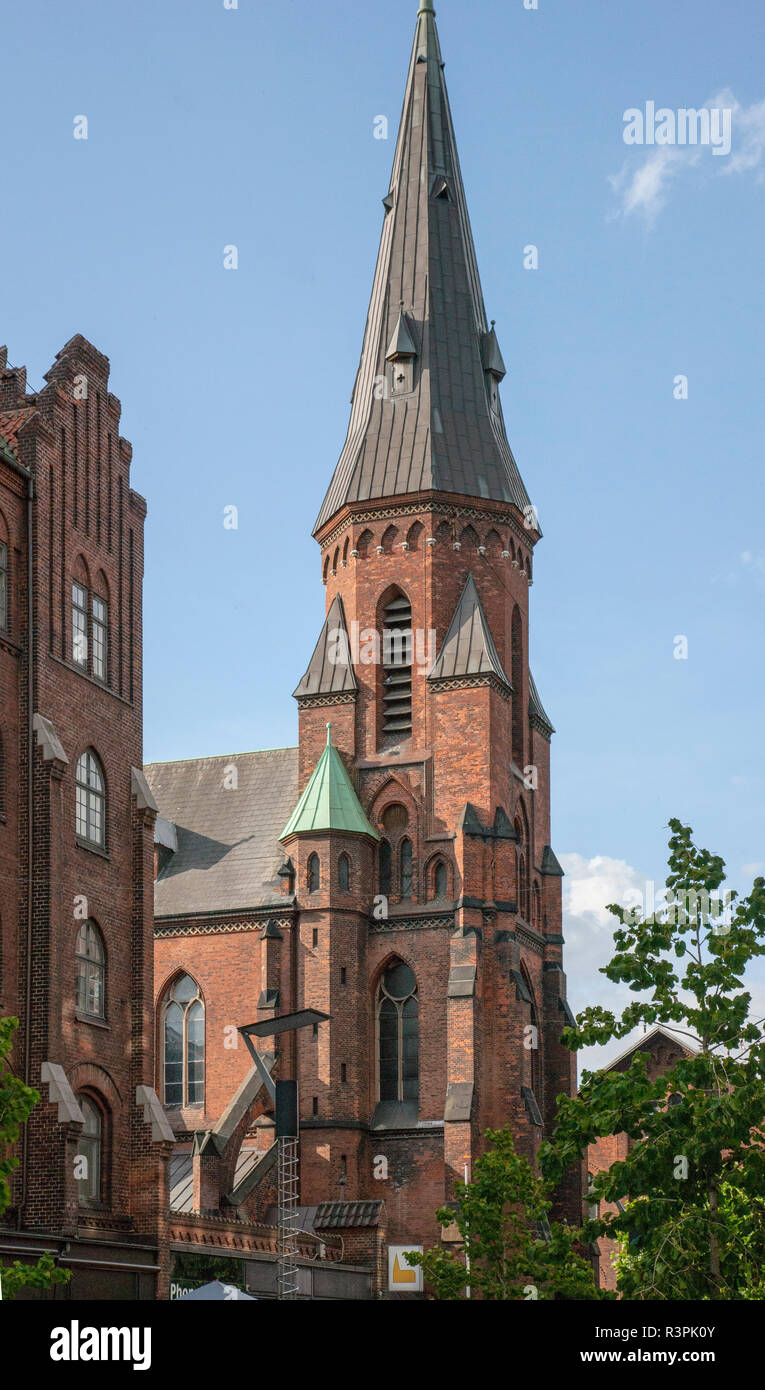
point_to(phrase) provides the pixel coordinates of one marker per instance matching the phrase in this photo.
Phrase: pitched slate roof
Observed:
(443, 434)
(228, 839)
(330, 670)
(329, 801)
(536, 708)
(468, 648)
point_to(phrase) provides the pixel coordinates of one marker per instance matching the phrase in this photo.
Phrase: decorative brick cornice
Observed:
(347, 697)
(471, 683)
(448, 511)
(219, 928)
(445, 922)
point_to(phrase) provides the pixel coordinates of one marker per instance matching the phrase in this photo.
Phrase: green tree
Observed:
(16, 1104)
(690, 1217)
(512, 1250)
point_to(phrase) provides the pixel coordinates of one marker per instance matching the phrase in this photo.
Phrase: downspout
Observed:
(27, 475)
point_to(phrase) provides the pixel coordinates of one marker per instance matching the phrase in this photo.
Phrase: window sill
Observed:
(90, 847)
(93, 1019)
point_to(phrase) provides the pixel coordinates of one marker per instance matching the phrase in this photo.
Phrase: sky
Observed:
(210, 127)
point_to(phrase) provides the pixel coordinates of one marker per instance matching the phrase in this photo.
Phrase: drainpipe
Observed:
(26, 474)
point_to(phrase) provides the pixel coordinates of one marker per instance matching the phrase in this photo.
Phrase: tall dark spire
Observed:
(436, 423)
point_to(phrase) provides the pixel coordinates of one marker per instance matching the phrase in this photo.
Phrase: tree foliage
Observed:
(505, 1238)
(17, 1101)
(690, 1215)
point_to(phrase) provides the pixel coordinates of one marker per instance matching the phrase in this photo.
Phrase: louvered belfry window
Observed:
(397, 667)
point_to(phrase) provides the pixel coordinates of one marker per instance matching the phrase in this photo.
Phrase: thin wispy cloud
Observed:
(644, 190)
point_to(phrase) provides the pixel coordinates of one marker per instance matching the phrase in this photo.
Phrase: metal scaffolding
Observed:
(289, 1218)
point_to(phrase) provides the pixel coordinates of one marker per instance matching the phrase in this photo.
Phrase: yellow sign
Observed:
(403, 1277)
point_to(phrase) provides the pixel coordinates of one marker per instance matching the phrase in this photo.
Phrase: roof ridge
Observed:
(214, 757)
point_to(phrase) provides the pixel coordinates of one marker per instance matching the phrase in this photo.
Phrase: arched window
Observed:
(89, 1157)
(344, 873)
(440, 880)
(398, 1034)
(79, 624)
(90, 800)
(593, 1207)
(90, 977)
(314, 873)
(183, 1026)
(516, 678)
(386, 866)
(4, 603)
(397, 642)
(326, 569)
(406, 868)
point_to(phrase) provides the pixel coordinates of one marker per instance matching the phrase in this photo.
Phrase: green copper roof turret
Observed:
(329, 801)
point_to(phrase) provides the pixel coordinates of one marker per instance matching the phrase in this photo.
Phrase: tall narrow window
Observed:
(100, 637)
(79, 624)
(314, 873)
(406, 868)
(3, 585)
(344, 873)
(386, 867)
(184, 1044)
(398, 1034)
(89, 958)
(89, 1154)
(440, 880)
(91, 800)
(397, 668)
(516, 677)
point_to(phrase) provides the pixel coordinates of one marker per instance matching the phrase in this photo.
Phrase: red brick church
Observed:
(394, 871)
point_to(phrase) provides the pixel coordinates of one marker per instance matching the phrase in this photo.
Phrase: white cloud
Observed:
(644, 190)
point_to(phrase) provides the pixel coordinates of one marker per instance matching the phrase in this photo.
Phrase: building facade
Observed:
(395, 870)
(76, 836)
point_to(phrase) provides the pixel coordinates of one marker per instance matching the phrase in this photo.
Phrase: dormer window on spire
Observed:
(401, 356)
(493, 366)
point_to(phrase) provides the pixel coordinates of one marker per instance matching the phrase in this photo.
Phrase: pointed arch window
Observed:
(440, 880)
(90, 1154)
(314, 873)
(386, 869)
(4, 586)
(183, 1029)
(90, 795)
(398, 1035)
(516, 678)
(90, 971)
(407, 874)
(344, 873)
(397, 668)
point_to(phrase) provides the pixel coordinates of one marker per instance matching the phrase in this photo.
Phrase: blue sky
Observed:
(209, 127)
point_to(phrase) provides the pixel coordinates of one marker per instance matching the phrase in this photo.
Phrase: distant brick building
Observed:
(663, 1050)
(76, 835)
(399, 877)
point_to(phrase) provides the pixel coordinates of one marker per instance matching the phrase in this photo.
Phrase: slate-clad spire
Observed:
(468, 647)
(438, 425)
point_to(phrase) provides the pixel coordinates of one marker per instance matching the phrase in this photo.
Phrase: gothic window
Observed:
(183, 1027)
(79, 624)
(386, 869)
(398, 1034)
(314, 873)
(326, 569)
(440, 880)
(397, 668)
(516, 679)
(90, 1154)
(90, 971)
(344, 873)
(100, 637)
(593, 1207)
(90, 800)
(4, 605)
(405, 854)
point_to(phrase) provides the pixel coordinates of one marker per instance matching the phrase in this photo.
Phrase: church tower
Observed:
(428, 894)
